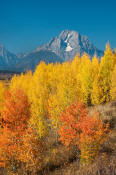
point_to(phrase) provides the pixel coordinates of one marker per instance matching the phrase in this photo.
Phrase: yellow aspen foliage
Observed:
(21, 81)
(39, 93)
(114, 57)
(2, 94)
(75, 63)
(113, 78)
(95, 92)
(85, 72)
(113, 84)
(52, 80)
(95, 66)
(106, 67)
(67, 91)
(75, 72)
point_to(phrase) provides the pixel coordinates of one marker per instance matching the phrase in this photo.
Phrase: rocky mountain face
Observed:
(7, 59)
(59, 49)
(68, 43)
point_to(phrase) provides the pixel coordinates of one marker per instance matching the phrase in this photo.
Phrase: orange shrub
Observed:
(79, 128)
(14, 122)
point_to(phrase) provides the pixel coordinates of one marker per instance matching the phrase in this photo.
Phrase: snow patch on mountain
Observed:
(68, 48)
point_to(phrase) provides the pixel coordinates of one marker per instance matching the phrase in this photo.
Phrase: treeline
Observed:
(34, 102)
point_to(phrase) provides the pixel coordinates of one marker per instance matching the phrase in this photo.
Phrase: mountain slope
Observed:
(23, 62)
(30, 61)
(68, 43)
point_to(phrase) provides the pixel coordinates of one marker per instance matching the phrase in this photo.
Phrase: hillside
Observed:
(30, 61)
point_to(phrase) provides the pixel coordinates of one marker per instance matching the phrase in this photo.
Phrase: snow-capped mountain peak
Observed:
(68, 43)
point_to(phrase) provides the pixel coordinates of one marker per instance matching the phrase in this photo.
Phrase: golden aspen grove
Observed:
(55, 97)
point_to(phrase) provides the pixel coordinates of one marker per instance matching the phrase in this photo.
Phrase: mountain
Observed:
(58, 49)
(68, 43)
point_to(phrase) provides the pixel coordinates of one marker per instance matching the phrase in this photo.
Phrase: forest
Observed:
(54, 113)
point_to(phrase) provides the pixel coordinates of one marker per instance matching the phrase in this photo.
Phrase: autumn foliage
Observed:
(14, 120)
(2, 94)
(18, 141)
(79, 128)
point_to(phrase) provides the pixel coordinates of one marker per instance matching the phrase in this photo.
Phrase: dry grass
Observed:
(103, 165)
(107, 112)
(56, 155)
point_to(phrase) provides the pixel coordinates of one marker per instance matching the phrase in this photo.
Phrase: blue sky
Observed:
(25, 24)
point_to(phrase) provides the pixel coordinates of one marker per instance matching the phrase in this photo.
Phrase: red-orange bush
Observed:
(79, 128)
(14, 122)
